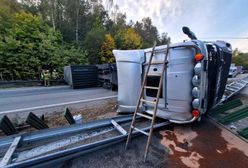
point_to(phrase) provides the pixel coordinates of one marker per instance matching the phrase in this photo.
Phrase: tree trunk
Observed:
(77, 19)
(53, 13)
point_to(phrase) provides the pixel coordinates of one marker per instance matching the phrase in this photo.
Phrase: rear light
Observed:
(196, 103)
(196, 113)
(196, 80)
(198, 57)
(196, 92)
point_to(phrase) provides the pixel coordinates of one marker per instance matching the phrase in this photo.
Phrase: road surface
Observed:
(21, 98)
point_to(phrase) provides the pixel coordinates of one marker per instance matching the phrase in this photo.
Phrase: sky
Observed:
(215, 19)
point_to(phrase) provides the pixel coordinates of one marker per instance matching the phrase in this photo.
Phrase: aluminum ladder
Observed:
(142, 100)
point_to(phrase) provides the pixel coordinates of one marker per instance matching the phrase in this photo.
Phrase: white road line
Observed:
(55, 105)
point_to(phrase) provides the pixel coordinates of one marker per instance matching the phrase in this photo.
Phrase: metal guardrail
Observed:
(64, 154)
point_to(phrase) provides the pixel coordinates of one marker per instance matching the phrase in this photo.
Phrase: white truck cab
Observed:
(194, 80)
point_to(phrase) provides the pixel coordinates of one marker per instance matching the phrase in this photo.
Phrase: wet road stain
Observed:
(202, 145)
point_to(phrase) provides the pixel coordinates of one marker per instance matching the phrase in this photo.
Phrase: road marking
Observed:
(55, 105)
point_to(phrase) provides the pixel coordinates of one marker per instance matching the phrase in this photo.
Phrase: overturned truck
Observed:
(194, 79)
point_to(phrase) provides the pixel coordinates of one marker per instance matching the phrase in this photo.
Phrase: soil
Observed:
(88, 112)
(117, 157)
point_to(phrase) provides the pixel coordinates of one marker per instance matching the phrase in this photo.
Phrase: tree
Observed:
(54, 33)
(27, 46)
(93, 42)
(106, 53)
(164, 39)
(128, 39)
(241, 59)
(236, 52)
(30, 45)
(147, 31)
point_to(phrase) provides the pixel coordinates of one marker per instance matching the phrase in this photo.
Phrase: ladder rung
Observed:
(147, 101)
(139, 130)
(156, 63)
(151, 87)
(146, 116)
(154, 74)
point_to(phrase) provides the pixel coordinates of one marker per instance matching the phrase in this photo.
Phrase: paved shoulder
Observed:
(12, 99)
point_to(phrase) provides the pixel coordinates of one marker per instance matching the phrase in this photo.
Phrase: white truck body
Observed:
(185, 83)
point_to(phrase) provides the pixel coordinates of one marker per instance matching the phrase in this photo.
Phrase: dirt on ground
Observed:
(88, 114)
(117, 157)
(56, 119)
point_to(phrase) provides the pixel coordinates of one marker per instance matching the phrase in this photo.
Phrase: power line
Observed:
(231, 38)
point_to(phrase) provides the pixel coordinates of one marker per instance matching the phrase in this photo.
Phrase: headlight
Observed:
(196, 103)
(195, 92)
(198, 68)
(196, 80)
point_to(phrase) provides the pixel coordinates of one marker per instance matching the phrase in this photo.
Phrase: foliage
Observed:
(128, 39)
(241, 59)
(164, 39)
(106, 53)
(93, 42)
(50, 34)
(28, 39)
(149, 33)
(28, 46)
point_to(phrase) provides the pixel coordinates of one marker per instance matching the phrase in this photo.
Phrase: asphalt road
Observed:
(21, 98)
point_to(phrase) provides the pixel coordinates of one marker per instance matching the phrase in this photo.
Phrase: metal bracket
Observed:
(119, 128)
(8, 155)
